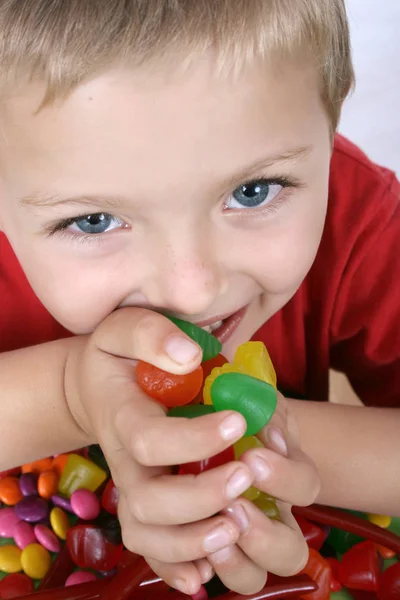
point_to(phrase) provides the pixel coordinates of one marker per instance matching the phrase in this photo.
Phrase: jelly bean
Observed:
(209, 365)
(80, 473)
(360, 568)
(167, 388)
(191, 411)
(89, 549)
(194, 468)
(254, 357)
(24, 534)
(380, 520)
(10, 559)
(47, 538)
(80, 577)
(267, 504)
(207, 342)
(10, 492)
(35, 561)
(216, 372)
(28, 484)
(389, 587)
(62, 502)
(253, 398)
(32, 509)
(15, 585)
(59, 462)
(85, 504)
(320, 571)
(59, 522)
(246, 443)
(37, 466)
(47, 484)
(109, 498)
(8, 520)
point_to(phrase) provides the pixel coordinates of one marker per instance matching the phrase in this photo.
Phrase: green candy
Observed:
(190, 411)
(343, 594)
(251, 397)
(341, 540)
(207, 342)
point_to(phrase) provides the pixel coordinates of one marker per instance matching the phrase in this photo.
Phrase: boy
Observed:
(174, 158)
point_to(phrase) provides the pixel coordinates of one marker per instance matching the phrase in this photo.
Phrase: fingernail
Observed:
(180, 585)
(239, 482)
(233, 427)
(180, 349)
(276, 441)
(217, 539)
(206, 571)
(222, 555)
(239, 516)
(259, 467)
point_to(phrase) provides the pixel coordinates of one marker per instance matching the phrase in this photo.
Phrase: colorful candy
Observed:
(207, 342)
(24, 534)
(167, 388)
(80, 473)
(10, 559)
(8, 520)
(47, 538)
(35, 561)
(59, 522)
(47, 484)
(28, 484)
(85, 504)
(31, 509)
(254, 357)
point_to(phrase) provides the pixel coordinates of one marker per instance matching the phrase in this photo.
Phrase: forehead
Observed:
(132, 123)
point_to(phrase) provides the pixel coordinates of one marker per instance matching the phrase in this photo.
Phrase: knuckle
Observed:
(137, 510)
(141, 449)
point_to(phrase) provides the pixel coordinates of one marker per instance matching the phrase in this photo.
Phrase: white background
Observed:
(371, 117)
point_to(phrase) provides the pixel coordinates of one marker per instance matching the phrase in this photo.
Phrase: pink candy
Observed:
(8, 520)
(47, 538)
(80, 577)
(24, 535)
(85, 504)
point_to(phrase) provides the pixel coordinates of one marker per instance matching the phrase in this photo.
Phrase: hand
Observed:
(170, 520)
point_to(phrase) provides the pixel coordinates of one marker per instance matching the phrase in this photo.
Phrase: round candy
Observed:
(32, 509)
(170, 390)
(45, 536)
(10, 492)
(10, 559)
(35, 561)
(253, 398)
(209, 344)
(59, 463)
(62, 502)
(80, 577)
(381, 520)
(47, 484)
(85, 504)
(8, 520)
(38, 466)
(23, 534)
(15, 585)
(28, 484)
(59, 522)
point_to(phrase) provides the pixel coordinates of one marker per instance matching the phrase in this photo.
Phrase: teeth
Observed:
(212, 327)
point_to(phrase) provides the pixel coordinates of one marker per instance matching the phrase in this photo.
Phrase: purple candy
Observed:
(62, 502)
(31, 509)
(8, 521)
(28, 484)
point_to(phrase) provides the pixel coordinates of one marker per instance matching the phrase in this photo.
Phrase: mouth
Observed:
(223, 328)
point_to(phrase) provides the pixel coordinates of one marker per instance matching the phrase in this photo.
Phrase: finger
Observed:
(176, 543)
(205, 570)
(293, 480)
(275, 546)
(184, 576)
(237, 571)
(138, 333)
(157, 440)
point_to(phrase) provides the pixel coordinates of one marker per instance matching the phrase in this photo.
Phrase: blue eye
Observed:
(254, 194)
(95, 224)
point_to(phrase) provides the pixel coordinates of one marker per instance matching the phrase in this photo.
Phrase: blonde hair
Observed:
(65, 42)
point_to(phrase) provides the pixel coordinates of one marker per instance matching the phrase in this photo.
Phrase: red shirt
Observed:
(345, 315)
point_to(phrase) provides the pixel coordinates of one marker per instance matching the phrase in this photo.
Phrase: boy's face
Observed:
(194, 195)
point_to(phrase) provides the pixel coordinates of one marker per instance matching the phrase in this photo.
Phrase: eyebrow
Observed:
(42, 199)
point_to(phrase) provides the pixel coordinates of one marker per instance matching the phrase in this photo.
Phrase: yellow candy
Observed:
(245, 443)
(10, 559)
(35, 561)
(254, 357)
(227, 368)
(59, 522)
(251, 494)
(381, 520)
(80, 473)
(268, 506)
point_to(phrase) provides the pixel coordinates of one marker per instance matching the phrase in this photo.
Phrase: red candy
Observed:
(389, 588)
(194, 468)
(314, 535)
(171, 390)
(89, 549)
(360, 567)
(15, 585)
(320, 571)
(109, 498)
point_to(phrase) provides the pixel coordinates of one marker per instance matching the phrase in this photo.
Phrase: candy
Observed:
(80, 473)
(35, 561)
(359, 567)
(209, 365)
(59, 522)
(15, 585)
(252, 493)
(62, 502)
(268, 506)
(10, 559)
(111, 529)
(89, 548)
(8, 520)
(59, 463)
(246, 443)
(28, 484)
(380, 520)
(47, 538)
(389, 588)
(38, 466)
(227, 368)
(385, 553)
(320, 571)
(47, 484)
(254, 357)
(24, 534)
(194, 468)
(85, 504)
(207, 342)
(314, 535)
(10, 492)
(80, 577)
(253, 398)
(32, 509)
(109, 498)
(171, 390)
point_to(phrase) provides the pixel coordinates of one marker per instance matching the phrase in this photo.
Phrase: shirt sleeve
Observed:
(365, 325)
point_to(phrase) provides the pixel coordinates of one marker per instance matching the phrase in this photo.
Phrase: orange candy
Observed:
(171, 390)
(10, 492)
(385, 553)
(48, 484)
(59, 463)
(38, 466)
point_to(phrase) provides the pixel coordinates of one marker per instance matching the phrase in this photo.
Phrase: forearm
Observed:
(356, 450)
(35, 417)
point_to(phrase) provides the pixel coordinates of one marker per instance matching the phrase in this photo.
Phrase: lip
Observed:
(217, 318)
(230, 324)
